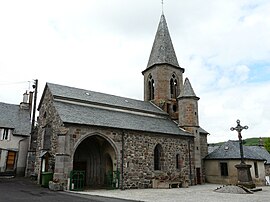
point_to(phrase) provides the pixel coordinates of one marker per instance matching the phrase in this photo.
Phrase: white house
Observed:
(15, 125)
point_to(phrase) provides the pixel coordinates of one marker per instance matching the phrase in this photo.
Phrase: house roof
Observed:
(78, 106)
(231, 150)
(162, 50)
(15, 118)
(212, 148)
(262, 152)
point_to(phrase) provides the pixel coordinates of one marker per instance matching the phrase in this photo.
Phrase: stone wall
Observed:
(136, 165)
(138, 149)
(139, 159)
(204, 152)
(47, 116)
(162, 74)
(267, 170)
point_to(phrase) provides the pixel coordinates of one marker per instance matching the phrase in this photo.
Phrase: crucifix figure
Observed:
(239, 128)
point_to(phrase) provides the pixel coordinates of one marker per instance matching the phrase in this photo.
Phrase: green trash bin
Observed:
(46, 177)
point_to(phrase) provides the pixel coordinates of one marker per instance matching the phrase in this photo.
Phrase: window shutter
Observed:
(9, 134)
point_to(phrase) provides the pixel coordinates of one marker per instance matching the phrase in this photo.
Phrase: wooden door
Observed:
(198, 174)
(11, 160)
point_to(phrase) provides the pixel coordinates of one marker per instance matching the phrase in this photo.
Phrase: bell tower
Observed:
(163, 77)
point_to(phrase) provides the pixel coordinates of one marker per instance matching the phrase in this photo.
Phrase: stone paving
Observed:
(194, 193)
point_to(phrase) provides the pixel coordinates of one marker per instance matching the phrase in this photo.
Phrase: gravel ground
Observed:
(194, 193)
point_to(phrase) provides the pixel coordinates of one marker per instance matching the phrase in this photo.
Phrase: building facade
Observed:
(139, 144)
(220, 164)
(15, 127)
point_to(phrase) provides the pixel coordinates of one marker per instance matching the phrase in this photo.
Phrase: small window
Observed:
(5, 133)
(174, 108)
(178, 161)
(151, 88)
(256, 169)
(174, 87)
(224, 169)
(158, 157)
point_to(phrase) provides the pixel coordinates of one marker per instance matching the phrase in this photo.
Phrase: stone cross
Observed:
(239, 128)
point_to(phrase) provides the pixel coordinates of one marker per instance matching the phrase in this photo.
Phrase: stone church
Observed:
(123, 142)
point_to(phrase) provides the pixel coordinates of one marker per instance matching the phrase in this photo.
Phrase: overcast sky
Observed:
(104, 45)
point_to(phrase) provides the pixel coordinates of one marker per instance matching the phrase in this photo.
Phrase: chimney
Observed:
(24, 104)
(261, 142)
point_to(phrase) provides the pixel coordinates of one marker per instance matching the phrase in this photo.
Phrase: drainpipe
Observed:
(122, 163)
(190, 165)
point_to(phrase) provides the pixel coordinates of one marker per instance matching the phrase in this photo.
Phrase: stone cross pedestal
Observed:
(244, 176)
(243, 169)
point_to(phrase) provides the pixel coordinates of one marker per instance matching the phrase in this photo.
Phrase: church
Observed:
(111, 141)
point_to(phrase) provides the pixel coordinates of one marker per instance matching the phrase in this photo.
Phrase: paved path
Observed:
(24, 190)
(198, 193)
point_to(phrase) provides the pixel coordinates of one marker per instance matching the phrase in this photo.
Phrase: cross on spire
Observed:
(162, 4)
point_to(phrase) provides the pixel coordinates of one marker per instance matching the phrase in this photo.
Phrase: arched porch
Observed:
(97, 157)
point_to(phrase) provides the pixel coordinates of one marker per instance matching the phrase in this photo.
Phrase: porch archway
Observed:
(98, 158)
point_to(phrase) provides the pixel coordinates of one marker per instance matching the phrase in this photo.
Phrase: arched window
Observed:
(174, 87)
(178, 161)
(151, 87)
(158, 157)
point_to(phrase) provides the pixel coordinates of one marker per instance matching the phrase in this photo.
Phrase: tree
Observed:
(267, 144)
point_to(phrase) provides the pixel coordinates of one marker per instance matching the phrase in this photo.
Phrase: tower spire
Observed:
(187, 90)
(162, 50)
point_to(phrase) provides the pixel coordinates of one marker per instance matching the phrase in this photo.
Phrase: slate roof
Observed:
(201, 130)
(187, 90)
(82, 95)
(98, 109)
(15, 118)
(262, 152)
(212, 148)
(230, 150)
(162, 50)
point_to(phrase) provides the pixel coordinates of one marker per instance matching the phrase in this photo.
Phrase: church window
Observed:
(151, 87)
(178, 161)
(174, 87)
(223, 169)
(157, 157)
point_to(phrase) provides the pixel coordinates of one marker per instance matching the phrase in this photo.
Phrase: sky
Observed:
(104, 45)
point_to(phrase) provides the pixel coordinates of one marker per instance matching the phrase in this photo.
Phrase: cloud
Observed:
(104, 45)
(248, 102)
